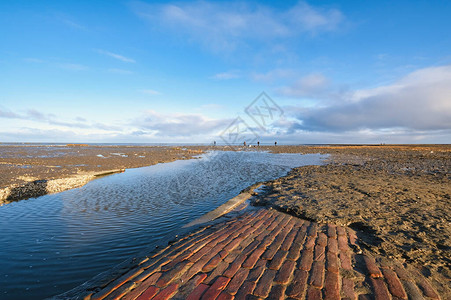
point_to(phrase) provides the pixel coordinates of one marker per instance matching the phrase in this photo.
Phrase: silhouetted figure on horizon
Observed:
(244, 143)
(258, 144)
(275, 143)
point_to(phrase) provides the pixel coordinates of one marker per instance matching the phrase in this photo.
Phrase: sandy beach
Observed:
(396, 197)
(35, 170)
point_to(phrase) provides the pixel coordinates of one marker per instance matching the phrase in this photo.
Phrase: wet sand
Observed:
(35, 170)
(397, 198)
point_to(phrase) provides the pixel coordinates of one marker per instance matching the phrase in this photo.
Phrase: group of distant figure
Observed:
(244, 144)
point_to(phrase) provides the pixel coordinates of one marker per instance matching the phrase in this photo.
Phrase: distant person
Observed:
(244, 143)
(258, 144)
(214, 143)
(275, 143)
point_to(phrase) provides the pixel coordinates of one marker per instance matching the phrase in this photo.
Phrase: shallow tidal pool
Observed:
(53, 243)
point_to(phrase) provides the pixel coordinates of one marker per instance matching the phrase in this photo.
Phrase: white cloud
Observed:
(309, 85)
(420, 101)
(180, 125)
(226, 26)
(116, 56)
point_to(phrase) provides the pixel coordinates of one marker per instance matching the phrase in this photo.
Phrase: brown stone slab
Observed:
(224, 296)
(332, 245)
(343, 243)
(296, 289)
(264, 284)
(320, 252)
(331, 231)
(341, 230)
(173, 274)
(245, 290)
(148, 293)
(277, 260)
(216, 288)
(322, 239)
(252, 259)
(212, 263)
(256, 273)
(317, 274)
(294, 252)
(348, 289)
(218, 271)
(141, 287)
(332, 262)
(237, 281)
(234, 266)
(345, 261)
(284, 274)
(332, 286)
(394, 284)
(380, 289)
(412, 291)
(277, 292)
(121, 291)
(289, 239)
(312, 229)
(197, 293)
(313, 293)
(116, 283)
(306, 260)
(199, 254)
(310, 242)
(167, 293)
(371, 267)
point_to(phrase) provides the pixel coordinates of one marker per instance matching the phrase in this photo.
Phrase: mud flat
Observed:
(397, 197)
(35, 170)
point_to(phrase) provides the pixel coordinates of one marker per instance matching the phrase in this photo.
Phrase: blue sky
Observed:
(159, 71)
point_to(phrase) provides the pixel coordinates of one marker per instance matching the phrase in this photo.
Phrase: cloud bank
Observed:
(225, 26)
(419, 101)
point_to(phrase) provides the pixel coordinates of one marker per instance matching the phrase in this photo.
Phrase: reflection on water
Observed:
(55, 242)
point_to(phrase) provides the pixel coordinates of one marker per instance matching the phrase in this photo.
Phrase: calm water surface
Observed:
(53, 243)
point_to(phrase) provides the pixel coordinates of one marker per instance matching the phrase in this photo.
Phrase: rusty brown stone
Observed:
(216, 288)
(380, 289)
(371, 267)
(264, 284)
(237, 281)
(149, 293)
(348, 289)
(167, 293)
(197, 293)
(284, 274)
(331, 286)
(245, 290)
(297, 287)
(277, 292)
(394, 285)
(317, 275)
(252, 259)
(306, 260)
